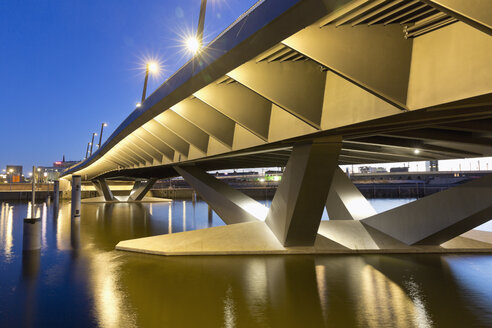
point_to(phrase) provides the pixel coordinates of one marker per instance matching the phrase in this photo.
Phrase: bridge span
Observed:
(309, 85)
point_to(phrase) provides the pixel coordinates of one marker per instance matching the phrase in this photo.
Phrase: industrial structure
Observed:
(309, 85)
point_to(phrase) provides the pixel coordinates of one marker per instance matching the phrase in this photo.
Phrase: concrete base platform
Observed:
(124, 199)
(334, 237)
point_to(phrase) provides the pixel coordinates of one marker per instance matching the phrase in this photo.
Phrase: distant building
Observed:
(14, 173)
(432, 166)
(64, 164)
(372, 169)
(399, 169)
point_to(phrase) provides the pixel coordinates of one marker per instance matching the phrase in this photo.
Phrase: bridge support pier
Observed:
(230, 204)
(297, 207)
(140, 189)
(345, 201)
(437, 218)
(103, 189)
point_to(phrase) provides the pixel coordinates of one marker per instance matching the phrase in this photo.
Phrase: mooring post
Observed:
(32, 226)
(76, 192)
(56, 193)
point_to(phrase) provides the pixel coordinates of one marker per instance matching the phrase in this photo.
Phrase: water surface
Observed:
(79, 280)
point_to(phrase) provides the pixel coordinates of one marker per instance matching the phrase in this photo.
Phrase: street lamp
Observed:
(201, 23)
(150, 67)
(101, 134)
(87, 151)
(194, 43)
(92, 142)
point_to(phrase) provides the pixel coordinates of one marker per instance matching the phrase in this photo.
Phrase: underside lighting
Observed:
(416, 151)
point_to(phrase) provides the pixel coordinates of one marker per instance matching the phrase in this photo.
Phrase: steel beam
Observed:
(208, 119)
(240, 104)
(476, 13)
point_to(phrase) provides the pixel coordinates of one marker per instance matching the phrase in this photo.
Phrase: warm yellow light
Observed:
(192, 44)
(11, 170)
(105, 124)
(153, 67)
(138, 105)
(417, 151)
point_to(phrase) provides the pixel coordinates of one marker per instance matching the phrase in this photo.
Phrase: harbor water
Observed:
(77, 279)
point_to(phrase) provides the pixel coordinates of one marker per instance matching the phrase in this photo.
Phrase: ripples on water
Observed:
(79, 280)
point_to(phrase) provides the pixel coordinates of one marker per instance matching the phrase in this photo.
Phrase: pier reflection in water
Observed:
(78, 279)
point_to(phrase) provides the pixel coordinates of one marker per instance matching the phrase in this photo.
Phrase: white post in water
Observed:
(76, 191)
(56, 193)
(32, 226)
(33, 200)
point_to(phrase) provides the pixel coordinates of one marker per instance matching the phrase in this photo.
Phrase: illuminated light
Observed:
(153, 67)
(105, 124)
(277, 178)
(11, 170)
(30, 174)
(192, 44)
(58, 163)
(138, 105)
(39, 170)
(262, 180)
(45, 174)
(416, 151)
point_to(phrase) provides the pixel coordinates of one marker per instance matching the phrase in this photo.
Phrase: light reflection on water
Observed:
(78, 279)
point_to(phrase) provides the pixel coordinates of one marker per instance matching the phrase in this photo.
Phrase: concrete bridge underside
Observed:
(309, 85)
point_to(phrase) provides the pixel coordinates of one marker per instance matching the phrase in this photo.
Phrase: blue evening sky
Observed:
(68, 65)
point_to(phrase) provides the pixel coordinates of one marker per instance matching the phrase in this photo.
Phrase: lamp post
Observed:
(92, 142)
(101, 134)
(201, 23)
(195, 43)
(150, 67)
(87, 151)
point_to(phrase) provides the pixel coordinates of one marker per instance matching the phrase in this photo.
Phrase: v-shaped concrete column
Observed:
(297, 206)
(437, 218)
(345, 201)
(140, 188)
(230, 204)
(103, 189)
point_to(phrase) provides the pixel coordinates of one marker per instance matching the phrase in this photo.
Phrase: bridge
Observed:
(309, 85)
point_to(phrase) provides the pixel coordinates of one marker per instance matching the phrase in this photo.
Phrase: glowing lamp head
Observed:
(192, 44)
(153, 67)
(138, 105)
(416, 151)
(105, 124)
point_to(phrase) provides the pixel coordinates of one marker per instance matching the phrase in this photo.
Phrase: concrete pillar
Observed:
(230, 204)
(76, 193)
(297, 206)
(437, 218)
(345, 202)
(103, 189)
(32, 234)
(140, 189)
